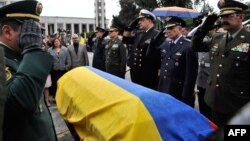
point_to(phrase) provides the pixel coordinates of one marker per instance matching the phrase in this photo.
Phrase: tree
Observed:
(206, 8)
(247, 12)
(130, 8)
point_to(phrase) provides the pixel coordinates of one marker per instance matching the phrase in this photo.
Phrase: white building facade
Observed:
(53, 24)
(100, 14)
(70, 24)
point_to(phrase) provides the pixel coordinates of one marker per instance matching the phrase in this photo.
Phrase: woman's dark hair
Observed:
(53, 42)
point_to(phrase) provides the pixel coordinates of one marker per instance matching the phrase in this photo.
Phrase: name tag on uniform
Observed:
(178, 54)
(207, 64)
(147, 41)
(115, 46)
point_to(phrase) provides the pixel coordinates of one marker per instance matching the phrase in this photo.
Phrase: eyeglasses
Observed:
(248, 26)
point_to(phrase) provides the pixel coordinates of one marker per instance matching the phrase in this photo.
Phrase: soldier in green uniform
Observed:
(228, 83)
(115, 54)
(2, 90)
(26, 116)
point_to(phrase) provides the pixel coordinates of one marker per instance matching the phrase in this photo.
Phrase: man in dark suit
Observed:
(228, 84)
(26, 116)
(179, 64)
(143, 69)
(99, 49)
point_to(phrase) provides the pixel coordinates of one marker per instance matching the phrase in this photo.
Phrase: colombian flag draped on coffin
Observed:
(101, 106)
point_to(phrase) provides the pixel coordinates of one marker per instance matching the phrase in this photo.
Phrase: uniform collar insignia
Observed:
(163, 51)
(242, 36)
(178, 53)
(215, 45)
(147, 41)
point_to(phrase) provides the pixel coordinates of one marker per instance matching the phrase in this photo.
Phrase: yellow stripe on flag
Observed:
(101, 110)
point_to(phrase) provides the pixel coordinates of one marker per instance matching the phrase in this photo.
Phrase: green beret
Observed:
(21, 10)
(230, 6)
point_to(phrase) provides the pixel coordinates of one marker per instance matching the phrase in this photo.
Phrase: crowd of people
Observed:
(214, 63)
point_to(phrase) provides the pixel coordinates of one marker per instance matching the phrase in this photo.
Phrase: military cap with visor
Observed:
(113, 27)
(21, 10)
(173, 21)
(99, 29)
(230, 7)
(146, 14)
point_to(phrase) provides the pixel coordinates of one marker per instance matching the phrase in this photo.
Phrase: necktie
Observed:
(171, 44)
(230, 37)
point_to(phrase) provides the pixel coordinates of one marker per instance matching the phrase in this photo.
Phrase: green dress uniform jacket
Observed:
(2, 91)
(116, 58)
(228, 84)
(26, 116)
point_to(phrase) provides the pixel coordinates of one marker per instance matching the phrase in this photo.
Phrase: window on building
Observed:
(51, 29)
(68, 29)
(44, 28)
(91, 27)
(60, 26)
(76, 28)
(84, 29)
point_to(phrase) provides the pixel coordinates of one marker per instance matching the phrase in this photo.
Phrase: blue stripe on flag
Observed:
(174, 119)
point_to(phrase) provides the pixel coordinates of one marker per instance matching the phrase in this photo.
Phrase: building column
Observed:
(72, 29)
(55, 27)
(64, 26)
(80, 28)
(46, 28)
(87, 27)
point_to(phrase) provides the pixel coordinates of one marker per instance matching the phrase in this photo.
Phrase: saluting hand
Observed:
(159, 38)
(209, 22)
(30, 38)
(132, 25)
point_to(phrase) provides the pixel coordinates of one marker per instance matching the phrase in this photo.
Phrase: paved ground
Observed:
(62, 131)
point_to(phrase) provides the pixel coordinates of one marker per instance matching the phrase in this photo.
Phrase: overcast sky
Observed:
(85, 8)
(77, 8)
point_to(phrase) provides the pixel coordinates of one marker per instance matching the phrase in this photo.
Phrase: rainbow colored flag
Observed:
(101, 106)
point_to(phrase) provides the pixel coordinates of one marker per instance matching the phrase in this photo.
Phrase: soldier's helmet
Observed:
(230, 7)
